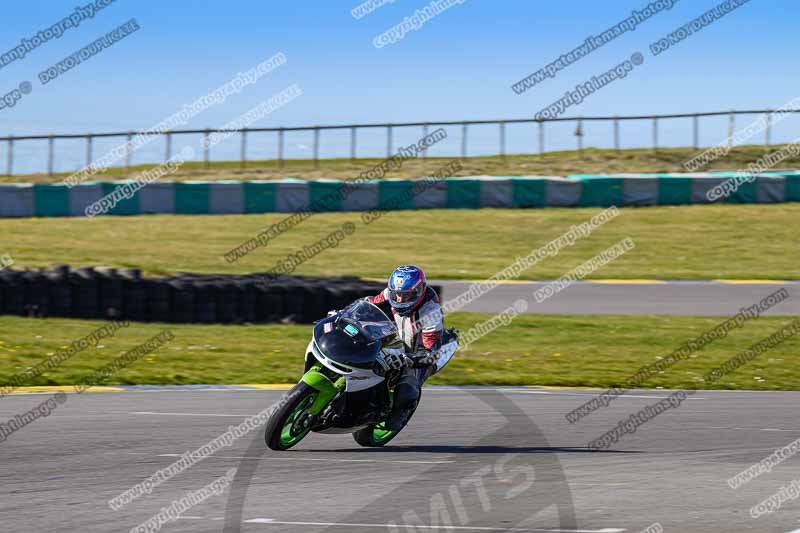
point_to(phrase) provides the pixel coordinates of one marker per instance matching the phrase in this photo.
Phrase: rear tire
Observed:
(375, 436)
(291, 422)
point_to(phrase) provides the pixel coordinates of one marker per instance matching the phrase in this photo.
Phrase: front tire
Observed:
(292, 421)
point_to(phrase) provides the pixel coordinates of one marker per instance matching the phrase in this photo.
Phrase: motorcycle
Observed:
(347, 386)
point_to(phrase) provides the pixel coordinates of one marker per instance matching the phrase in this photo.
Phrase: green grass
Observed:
(683, 242)
(561, 163)
(597, 351)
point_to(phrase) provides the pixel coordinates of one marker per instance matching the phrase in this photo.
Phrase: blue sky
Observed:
(459, 65)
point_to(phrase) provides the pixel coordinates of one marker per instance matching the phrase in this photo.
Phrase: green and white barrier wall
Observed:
(290, 195)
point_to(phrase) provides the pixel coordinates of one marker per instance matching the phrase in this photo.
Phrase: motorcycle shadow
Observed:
(454, 449)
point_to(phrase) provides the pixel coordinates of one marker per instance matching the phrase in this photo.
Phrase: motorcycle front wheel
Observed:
(292, 421)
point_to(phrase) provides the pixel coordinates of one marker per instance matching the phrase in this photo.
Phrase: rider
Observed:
(418, 316)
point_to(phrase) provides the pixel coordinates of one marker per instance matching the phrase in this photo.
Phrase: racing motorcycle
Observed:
(347, 386)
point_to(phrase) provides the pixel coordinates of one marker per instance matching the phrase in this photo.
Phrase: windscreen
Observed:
(371, 320)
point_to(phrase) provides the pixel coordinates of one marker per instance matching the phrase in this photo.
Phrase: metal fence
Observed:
(389, 127)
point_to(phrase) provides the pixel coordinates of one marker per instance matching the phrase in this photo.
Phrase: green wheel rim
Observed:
(293, 433)
(380, 433)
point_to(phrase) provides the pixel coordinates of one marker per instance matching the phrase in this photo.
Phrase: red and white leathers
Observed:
(422, 328)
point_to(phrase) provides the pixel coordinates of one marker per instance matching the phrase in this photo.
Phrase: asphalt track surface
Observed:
(486, 459)
(691, 298)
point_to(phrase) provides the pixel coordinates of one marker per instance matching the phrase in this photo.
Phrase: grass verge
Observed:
(561, 163)
(597, 351)
(683, 242)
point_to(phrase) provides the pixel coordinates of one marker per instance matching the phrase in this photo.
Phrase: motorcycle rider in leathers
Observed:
(418, 316)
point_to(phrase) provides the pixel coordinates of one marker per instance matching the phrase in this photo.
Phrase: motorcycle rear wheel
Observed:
(292, 421)
(376, 435)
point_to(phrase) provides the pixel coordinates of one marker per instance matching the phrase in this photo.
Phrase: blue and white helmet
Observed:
(407, 286)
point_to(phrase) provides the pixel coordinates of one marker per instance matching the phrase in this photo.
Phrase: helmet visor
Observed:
(404, 297)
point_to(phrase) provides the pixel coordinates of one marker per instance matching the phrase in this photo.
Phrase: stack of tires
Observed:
(123, 294)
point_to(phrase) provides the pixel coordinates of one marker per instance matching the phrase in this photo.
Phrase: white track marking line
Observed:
(749, 429)
(126, 391)
(197, 390)
(311, 459)
(109, 413)
(577, 484)
(559, 393)
(270, 521)
(428, 388)
(508, 388)
(188, 414)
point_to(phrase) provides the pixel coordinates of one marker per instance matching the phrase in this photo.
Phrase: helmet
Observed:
(406, 288)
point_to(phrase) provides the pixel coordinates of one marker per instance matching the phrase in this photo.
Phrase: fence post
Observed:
(616, 133)
(168, 150)
(50, 156)
(655, 134)
(541, 137)
(579, 135)
(696, 124)
(464, 140)
(503, 140)
(731, 127)
(10, 156)
(352, 144)
(280, 147)
(424, 136)
(88, 150)
(243, 150)
(316, 146)
(206, 148)
(388, 140)
(768, 131)
(128, 150)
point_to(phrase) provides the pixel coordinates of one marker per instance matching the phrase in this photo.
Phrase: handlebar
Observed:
(416, 361)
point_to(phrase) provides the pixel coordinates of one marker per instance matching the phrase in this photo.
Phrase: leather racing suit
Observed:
(421, 331)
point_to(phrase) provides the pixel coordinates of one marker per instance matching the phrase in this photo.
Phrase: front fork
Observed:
(326, 388)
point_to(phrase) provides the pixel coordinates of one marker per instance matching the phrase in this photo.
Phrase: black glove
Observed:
(423, 358)
(396, 361)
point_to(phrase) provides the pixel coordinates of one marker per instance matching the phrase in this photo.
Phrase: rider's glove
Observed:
(395, 361)
(424, 358)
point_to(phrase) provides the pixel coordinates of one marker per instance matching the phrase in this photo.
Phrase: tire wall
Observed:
(123, 294)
